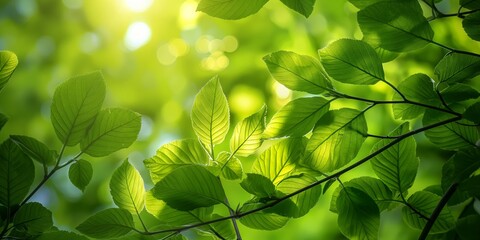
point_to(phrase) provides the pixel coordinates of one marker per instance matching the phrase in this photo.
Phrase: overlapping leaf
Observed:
(457, 67)
(109, 223)
(33, 218)
(80, 173)
(230, 9)
(262, 220)
(230, 166)
(304, 7)
(471, 25)
(459, 92)
(8, 63)
(126, 188)
(258, 185)
(470, 4)
(305, 200)
(35, 149)
(247, 135)
(460, 167)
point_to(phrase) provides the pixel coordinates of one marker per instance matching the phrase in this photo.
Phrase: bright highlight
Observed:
(138, 5)
(138, 34)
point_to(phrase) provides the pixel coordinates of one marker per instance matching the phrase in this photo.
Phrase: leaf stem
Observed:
(452, 49)
(232, 214)
(395, 89)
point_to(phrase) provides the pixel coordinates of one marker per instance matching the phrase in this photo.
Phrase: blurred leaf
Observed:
(35, 149)
(460, 166)
(279, 161)
(210, 114)
(452, 136)
(425, 203)
(16, 174)
(364, 3)
(457, 67)
(109, 223)
(224, 228)
(80, 173)
(61, 235)
(472, 113)
(298, 72)
(230, 9)
(247, 135)
(471, 25)
(336, 139)
(258, 185)
(417, 88)
(126, 188)
(190, 187)
(305, 200)
(230, 166)
(397, 166)
(395, 26)
(467, 227)
(173, 155)
(470, 4)
(352, 61)
(304, 7)
(8, 63)
(297, 117)
(459, 92)
(358, 215)
(471, 186)
(261, 220)
(75, 105)
(113, 129)
(33, 218)
(3, 120)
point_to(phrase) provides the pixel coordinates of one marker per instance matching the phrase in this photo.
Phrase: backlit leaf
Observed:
(457, 67)
(307, 199)
(33, 218)
(224, 228)
(230, 166)
(471, 25)
(109, 223)
(459, 92)
(261, 220)
(35, 149)
(80, 173)
(127, 189)
(304, 7)
(247, 135)
(258, 185)
(363, 3)
(8, 63)
(230, 9)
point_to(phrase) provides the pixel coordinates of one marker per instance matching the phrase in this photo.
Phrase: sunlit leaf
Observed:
(8, 63)
(258, 185)
(113, 129)
(210, 114)
(416, 88)
(397, 166)
(297, 117)
(261, 220)
(457, 67)
(35, 149)
(80, 173)
(16, 174)
(109, 223)
(190, 187)
(358, 215)
(298, 72)
(247, 135)
(224, 228)
(472, 113)
(352, 61)
(395, 26)
(230, 166)
(470, 4)
(471, 25)
(336, 139)
(75, 104)
(127, 189)
(425, 203)
(3, 120)
(304, 7)
(305, 200)
(60, 235)
(33, 218)
(459, 92)
(230, 9)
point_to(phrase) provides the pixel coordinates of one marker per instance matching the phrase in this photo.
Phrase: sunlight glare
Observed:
(138, 34)
(138, 5)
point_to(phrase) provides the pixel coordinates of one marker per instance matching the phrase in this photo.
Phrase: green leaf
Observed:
(33, 218)
(8, 63)
(174, 155)
(452, 136)
(460, 166)
(395, 26)
(352, 61)
(358, 215)
(113, 129)
(457, 67)
(305, 200)
(35, 149)
(425, 202)
(297, 117)
(224, 228)
(298, 72)
(190, 187)
(75, 105)
(279, 161)
(3, 120)
(470, 4)
(230, 166)
(230, 9)
(109, 223)
(258, 185)
(304, 7)
(363, 3)
(396, 166)
(471, 186)
(467, 227)
(127, 189)
(385, 55)
(459, 92)
(61, 235)
(210, 114)
(417, 88)
(336, 139)
(262, 220)
(247, 135)
(16, 174)
(472, 113)
(80, 173)
(471, 25)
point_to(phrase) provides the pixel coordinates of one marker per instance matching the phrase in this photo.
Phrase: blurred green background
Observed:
(156, 54)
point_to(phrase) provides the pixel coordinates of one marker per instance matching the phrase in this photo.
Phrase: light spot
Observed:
(230, 44)
(245, 100)
(165, 56)
(188, 14)
(138, 5)
(138, 34)
(89, 42)
(281, 91)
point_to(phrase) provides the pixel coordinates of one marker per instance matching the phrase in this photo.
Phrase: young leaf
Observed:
(358, 215)
(16, 174)
(126, 188)
(35, 149)
(190, 187)
(80, 173)
(459, 92)
(297, 117)
(258, 185)
(109, 223)
(425, 202)
(304, 7)
(457, 67)
(352, 61)
(279, 161)
(470, 4)
(61, 235)
(247, 135)
(472, 113)
(230, 166)
(417, 88)
(230, 9)
(395, 26)
(298, 72)
(33, 218)
(305, 200)
(75, 104)
(262, 220)
(471, 25)
(210, 114)
(8, 63)
(396, 166)
(3, 120)
(336, 139)
(113, 129)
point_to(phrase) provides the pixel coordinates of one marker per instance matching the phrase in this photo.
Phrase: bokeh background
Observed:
(156, 54)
